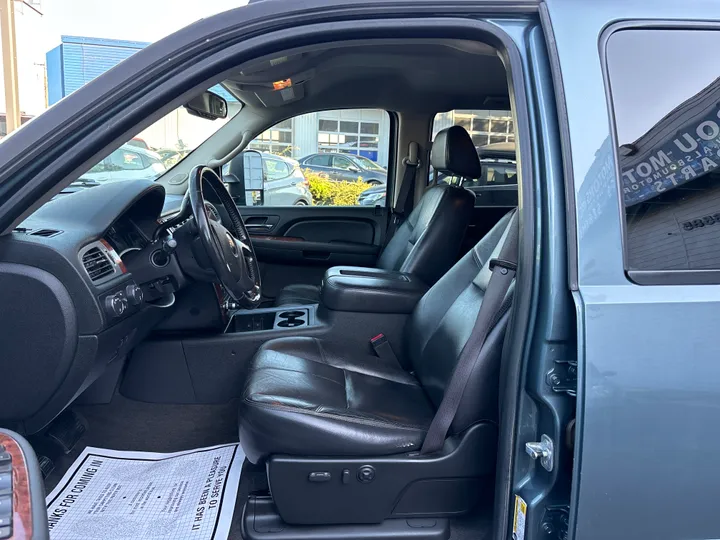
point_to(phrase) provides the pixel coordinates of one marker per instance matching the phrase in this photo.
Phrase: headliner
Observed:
(396, 75)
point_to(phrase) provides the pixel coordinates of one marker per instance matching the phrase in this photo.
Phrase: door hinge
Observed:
(563, 377)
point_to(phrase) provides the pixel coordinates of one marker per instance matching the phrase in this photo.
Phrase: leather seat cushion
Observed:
(304, 398)
(298, 294)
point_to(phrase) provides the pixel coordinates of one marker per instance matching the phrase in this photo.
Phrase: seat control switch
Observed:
(319, 477)
(366, 474)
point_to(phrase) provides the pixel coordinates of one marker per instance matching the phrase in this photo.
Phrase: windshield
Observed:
(366, 163)
(155, 150)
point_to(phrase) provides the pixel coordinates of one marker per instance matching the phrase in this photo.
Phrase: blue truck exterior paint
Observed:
(648, 382)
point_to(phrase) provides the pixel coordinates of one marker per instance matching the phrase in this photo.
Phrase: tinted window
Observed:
(668, 130)
(322, 161)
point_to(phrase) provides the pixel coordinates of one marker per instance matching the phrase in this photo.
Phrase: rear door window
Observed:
(320, 161)
(668, 136)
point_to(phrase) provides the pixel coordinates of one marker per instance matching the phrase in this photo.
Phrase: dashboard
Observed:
(82, 281)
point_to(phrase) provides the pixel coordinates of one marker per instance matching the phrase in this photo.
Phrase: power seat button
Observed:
(366, 474)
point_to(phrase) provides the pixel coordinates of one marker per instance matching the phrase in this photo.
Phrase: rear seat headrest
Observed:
(454, 153)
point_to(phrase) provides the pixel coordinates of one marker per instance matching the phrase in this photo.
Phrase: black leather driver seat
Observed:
(428, 241)
(309, 397)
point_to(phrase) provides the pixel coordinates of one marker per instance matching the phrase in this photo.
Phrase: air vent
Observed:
(97, 264)
(47, 233)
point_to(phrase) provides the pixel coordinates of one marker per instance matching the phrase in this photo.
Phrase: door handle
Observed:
(257, 226)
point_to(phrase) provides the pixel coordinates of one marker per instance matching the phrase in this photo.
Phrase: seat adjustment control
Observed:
(319, 476)
(366, 474)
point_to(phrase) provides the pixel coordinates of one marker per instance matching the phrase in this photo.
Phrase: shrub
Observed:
(326, 192)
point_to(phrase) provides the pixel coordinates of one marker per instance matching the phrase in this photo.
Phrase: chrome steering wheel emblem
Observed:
(233, 245)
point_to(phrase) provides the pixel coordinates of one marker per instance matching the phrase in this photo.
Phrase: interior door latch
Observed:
(542, 450)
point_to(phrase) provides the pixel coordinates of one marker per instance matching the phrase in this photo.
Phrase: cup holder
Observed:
(291, 314)
(292, 318)
(290, 323)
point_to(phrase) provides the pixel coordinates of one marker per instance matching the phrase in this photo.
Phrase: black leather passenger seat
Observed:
(428, 241)
(305, 397)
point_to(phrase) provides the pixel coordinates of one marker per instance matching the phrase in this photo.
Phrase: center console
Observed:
(370, 290)
(276, 318)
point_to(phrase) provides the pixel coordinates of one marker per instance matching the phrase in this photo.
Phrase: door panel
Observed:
(297, 244)
(323, 230)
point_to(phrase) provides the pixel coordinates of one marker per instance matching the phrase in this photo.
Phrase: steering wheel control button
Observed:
(134, 294)
(366, 474)
(319, 477)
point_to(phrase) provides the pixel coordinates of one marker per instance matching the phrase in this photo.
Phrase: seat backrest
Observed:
(442, 323)
(428, 241)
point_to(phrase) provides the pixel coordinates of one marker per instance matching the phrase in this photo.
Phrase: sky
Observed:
(136, 20)
(139, 20)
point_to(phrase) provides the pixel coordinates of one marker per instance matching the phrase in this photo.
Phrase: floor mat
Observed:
(186, 495)
(125, 424)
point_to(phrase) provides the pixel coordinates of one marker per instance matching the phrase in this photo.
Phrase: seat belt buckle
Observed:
(382, 348)
(504, 265)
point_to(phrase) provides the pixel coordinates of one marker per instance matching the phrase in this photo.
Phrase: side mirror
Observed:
(353, 168)
(246, 178)
(208, 105)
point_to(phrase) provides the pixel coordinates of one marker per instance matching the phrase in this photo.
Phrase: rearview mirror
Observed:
(207, 105)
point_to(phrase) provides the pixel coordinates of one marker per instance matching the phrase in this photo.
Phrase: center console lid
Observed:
(370, 290)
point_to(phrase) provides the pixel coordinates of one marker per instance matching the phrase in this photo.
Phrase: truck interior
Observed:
(326, 348)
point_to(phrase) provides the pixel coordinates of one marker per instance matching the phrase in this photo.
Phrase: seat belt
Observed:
(492, 309)
(403, 204)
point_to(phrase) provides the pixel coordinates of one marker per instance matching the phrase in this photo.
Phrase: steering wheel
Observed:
(231, 252)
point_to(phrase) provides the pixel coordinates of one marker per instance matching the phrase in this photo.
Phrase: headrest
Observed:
(453, 153)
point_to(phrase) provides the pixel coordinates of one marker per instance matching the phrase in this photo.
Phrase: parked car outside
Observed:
(126, 163)
(345, 167)
(284, 182)
(496, 187)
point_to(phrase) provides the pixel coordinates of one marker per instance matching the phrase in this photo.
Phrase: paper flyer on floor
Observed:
(117, 495)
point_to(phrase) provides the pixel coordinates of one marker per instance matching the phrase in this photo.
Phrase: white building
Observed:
(366, 132)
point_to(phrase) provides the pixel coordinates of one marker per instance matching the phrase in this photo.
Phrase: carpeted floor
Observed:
(125, 424)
